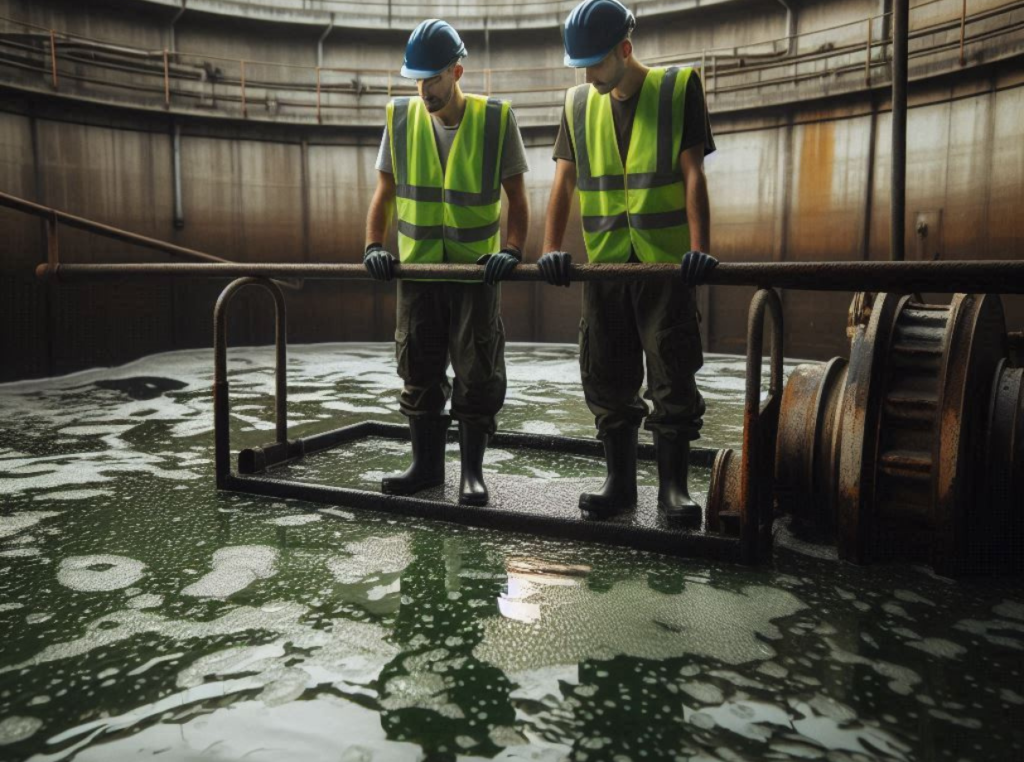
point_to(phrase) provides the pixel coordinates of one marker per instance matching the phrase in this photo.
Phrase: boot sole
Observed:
(603, 512)
(689, 515)
(475, 500)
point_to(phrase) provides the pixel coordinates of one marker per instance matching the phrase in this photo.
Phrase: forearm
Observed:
(698, 211)
(557, 218)
(518, 224)
(378, 218)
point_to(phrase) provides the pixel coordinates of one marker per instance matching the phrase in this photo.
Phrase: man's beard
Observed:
(435, 104)
(606, 86)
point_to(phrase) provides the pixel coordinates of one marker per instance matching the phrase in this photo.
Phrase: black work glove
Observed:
(497, 266)
(554, 266)
(696, 267)
(379, 262)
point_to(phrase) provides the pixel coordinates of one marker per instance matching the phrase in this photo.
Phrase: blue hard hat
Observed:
(433, 46)
(593, 28)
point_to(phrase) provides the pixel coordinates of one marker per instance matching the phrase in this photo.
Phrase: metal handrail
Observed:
(53, 217)
(727, 63)
(983, 276)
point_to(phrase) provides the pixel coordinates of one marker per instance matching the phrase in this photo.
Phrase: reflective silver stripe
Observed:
(420, 232)
(419, 193)
(641, 180)
(492, 134)
(472, 235)
(464, 198)
(668, 86)
(399, 125)
(599, 224)
(655, 220)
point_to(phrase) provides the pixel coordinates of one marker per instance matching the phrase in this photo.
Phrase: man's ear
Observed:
(457, 71)
(627, 50)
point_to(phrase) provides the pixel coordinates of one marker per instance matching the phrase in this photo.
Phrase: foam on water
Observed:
(99, 573)
(167, 617)
(234, 569)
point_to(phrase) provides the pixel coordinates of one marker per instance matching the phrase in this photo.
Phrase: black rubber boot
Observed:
(674, 500)
(618, 494)
(427, 469)
(472, 443)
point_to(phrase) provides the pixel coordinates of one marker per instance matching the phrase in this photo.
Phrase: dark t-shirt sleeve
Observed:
(696, 125)
(563, 146)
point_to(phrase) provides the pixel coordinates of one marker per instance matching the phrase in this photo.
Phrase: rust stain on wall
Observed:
(814, 187)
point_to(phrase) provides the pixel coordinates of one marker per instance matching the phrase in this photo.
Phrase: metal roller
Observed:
(914, 449)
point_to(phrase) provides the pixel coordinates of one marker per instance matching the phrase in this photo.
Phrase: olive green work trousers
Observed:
(460, 323)
(624, 322)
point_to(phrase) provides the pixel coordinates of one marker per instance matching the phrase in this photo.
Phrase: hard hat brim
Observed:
(421, 73)
(579, 63)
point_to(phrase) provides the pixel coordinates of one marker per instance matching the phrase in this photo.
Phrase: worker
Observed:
(632, 144)
(444, 158)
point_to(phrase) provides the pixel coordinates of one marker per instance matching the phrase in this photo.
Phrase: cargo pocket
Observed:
(584, 344)
(680, 349)
(402, 353)
(487, 346)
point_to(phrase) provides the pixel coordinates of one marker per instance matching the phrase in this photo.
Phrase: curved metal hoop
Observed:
(221, 405)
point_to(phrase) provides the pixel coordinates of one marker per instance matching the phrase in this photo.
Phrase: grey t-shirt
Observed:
(513, 156)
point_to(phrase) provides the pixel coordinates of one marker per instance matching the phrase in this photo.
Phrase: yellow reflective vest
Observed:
(450, 214)
(642, 205)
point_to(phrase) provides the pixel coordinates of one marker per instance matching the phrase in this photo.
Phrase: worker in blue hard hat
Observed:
(632, 144)
(444, 159)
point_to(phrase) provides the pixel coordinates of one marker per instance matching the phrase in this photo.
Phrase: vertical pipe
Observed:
(305, 197)
(963, 25)
(704, 72)
(52, 250)
(389, 84)
(901, 19)
(167, 81)
(487, 78)
(869, 189)
(245, 110)
(320, 43)
(867, 58)
(179, 212)
(53, 57)
(174, 21)
(318, 95)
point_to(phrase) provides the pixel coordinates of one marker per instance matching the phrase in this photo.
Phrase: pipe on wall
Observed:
(179, 212)
(900, 24)
(791, 14)
(320, 42)
(174, 40)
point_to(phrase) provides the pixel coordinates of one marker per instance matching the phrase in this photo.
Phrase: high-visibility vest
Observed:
(641, 205)
(451, 214)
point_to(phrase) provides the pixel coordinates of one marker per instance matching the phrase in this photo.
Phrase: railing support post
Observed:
(760, 425)
(221, 404)
(245, 110)
(867, 58)
(963, 26)
(53, 57)
(318, 95)
(167, 80)
(52, 250)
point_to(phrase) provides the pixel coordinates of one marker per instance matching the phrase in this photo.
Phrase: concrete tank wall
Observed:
(803, 182)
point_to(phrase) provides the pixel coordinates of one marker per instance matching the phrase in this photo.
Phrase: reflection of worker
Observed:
(632, 143)
(442, 158)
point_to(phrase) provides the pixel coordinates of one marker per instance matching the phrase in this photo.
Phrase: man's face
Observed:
(605, 76)
(437, 91)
